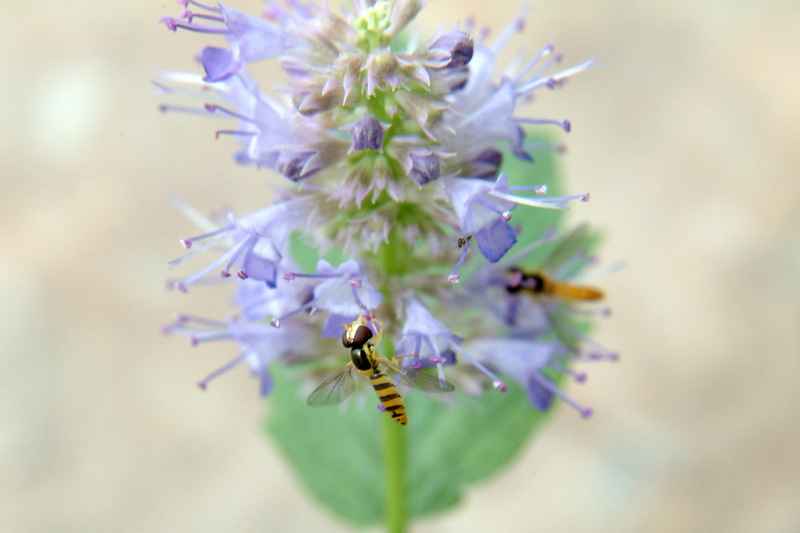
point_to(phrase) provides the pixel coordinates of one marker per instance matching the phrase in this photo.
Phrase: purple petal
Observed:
(540, 397)
(495, 239)
(260, 269)
(333, 326)
(218, 63)
(255, 39)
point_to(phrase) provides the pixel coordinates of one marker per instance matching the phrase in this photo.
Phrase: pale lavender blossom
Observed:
(425, 337)
(259, 344)
(526, 362)
(259, 242)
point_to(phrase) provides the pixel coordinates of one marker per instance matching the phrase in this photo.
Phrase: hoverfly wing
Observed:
(415, 378)
(334, 389)
(572, 246)
(565, 330)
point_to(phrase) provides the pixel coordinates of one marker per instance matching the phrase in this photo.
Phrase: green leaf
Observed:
(453, 440)
(336, 452)
(306, 254)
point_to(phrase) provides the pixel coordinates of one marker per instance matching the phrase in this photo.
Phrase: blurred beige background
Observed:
(687, 137)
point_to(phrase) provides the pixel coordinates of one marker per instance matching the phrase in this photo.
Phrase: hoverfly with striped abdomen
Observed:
(382, 373)
(545, 280)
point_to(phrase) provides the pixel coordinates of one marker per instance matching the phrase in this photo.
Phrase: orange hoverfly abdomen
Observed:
(574, 292)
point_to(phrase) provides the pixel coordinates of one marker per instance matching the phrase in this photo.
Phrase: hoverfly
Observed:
(543, 281)
(366, 359)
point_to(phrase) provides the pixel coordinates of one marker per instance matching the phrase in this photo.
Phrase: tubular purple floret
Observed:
(359, 303)
(554, 80)
(595, 352)
(324, 290)
(502, 213)
(203, 383)
(189, 16)
(580, 377)
(516, 26)
(189, 243)
(553, 202)
(548, 385)
(291, 276)
(182, 109)
(604, 355)
(211, 108)
(454, 276)
(237, 133)
(213, 242)
(174, 24)
(544, 51)
(186, 319)
(566, 125)
(196, 336)
(497, 383)
(276, 322)
(186, 3)
(539, 79)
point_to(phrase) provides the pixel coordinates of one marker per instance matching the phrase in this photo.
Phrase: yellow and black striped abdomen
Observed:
(389, 396)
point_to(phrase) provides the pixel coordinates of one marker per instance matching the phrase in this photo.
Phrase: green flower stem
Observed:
(396, 487)
(393, 257)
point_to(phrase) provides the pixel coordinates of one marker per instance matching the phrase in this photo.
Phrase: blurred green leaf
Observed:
(306, 254)
(336, 452)
(453, 441)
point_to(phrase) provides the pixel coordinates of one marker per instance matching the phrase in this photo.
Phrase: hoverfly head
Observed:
(357, 336)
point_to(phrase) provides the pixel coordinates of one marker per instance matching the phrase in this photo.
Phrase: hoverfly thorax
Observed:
(519, 280)
(361, 359)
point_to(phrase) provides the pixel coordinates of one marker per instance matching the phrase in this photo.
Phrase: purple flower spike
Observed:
(388, 151)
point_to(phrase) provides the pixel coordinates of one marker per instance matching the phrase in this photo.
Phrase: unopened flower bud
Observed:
(459, 45)
(425, 168)
(366, 134)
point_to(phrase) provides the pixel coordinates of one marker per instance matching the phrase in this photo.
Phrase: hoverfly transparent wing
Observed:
(334, 389)
(569, 255)
(567, 333)
(415, 378)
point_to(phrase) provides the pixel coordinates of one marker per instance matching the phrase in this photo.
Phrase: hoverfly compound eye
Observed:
(362, 335)
(345, 340)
